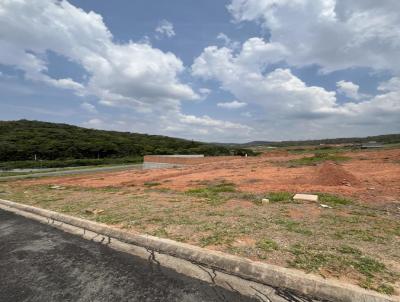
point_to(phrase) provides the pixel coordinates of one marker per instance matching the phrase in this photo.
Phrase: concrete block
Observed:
(306, 197)
(265, 201)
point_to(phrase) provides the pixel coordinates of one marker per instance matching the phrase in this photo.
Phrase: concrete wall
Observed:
(185, 160)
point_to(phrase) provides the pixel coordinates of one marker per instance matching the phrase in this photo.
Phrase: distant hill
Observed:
(384, 139)
(22, 140)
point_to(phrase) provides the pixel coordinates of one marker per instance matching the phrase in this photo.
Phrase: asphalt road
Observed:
(73, 171)
(41, 263)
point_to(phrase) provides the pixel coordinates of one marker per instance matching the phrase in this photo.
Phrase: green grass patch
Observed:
(279, 196)
(218, 237)
(294, 226)
(316, 159)
(346, 249)
(109, 218)
(359, 234)
(307, 259)
(385, 289)
(213, 193)
(160, 232)
(334, 200)
(312, 260)
(368, 266)
(267, 245)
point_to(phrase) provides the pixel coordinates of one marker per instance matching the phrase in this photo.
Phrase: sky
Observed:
(210, 70)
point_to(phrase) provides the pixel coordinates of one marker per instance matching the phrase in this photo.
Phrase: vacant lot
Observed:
(354, 236)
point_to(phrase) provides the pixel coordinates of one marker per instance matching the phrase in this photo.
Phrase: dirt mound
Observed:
(332, 174)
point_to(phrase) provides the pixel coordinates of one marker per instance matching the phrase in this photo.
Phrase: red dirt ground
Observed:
(370, 176)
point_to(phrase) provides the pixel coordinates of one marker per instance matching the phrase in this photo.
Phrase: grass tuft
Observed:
(213, 192)
(294, 226)
(279, 196)
(267, 245)
(333, 199)
(385, 289)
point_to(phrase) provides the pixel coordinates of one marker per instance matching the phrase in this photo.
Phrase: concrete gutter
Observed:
(262, 273)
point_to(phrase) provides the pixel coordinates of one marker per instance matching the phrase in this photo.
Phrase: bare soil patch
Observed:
(333, 174)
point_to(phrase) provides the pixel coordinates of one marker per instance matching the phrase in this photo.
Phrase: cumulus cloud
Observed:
(392, 85)
(176, 124)
(131, 74)
(165, 28)
(228, 42)
(243, 75)
(334, 34)
(348, 89)
(232, 105)
(288, 101)
(123, 75)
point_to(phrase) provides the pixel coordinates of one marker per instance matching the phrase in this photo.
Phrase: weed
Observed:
(217, 238)
(385, 289)
(368, 266)
(294, 226)
(267, 245)
(308, 260)
(160, 232)
(333, 199)
(359, 234)
(345, 249)
(213, 192)
(109, 218)
(279, 196)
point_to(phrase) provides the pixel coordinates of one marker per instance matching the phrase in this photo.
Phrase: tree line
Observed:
(26, 140)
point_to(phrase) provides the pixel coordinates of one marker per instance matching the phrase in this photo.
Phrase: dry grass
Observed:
(353, 241)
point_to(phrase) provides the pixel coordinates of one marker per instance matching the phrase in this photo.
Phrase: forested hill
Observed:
(21, 140)
(384, 139)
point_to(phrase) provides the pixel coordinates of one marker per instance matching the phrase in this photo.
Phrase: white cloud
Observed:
(89, 107)
(228, 42)
(206, 121)
(176, 124)
(288, 102)
(132, 74)
(348, 89)
(232, 105)
(392, 85)
(334, 34)
(165, 28)
(95, 123)
(243, 75)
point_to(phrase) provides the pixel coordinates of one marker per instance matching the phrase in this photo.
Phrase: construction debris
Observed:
(56, 188)
(94, 211)
(265, 201)
(305, 197)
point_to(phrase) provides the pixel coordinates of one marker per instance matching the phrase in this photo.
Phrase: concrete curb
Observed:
(269, 275)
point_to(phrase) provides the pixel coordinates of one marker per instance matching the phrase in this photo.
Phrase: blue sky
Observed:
(228, 71)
